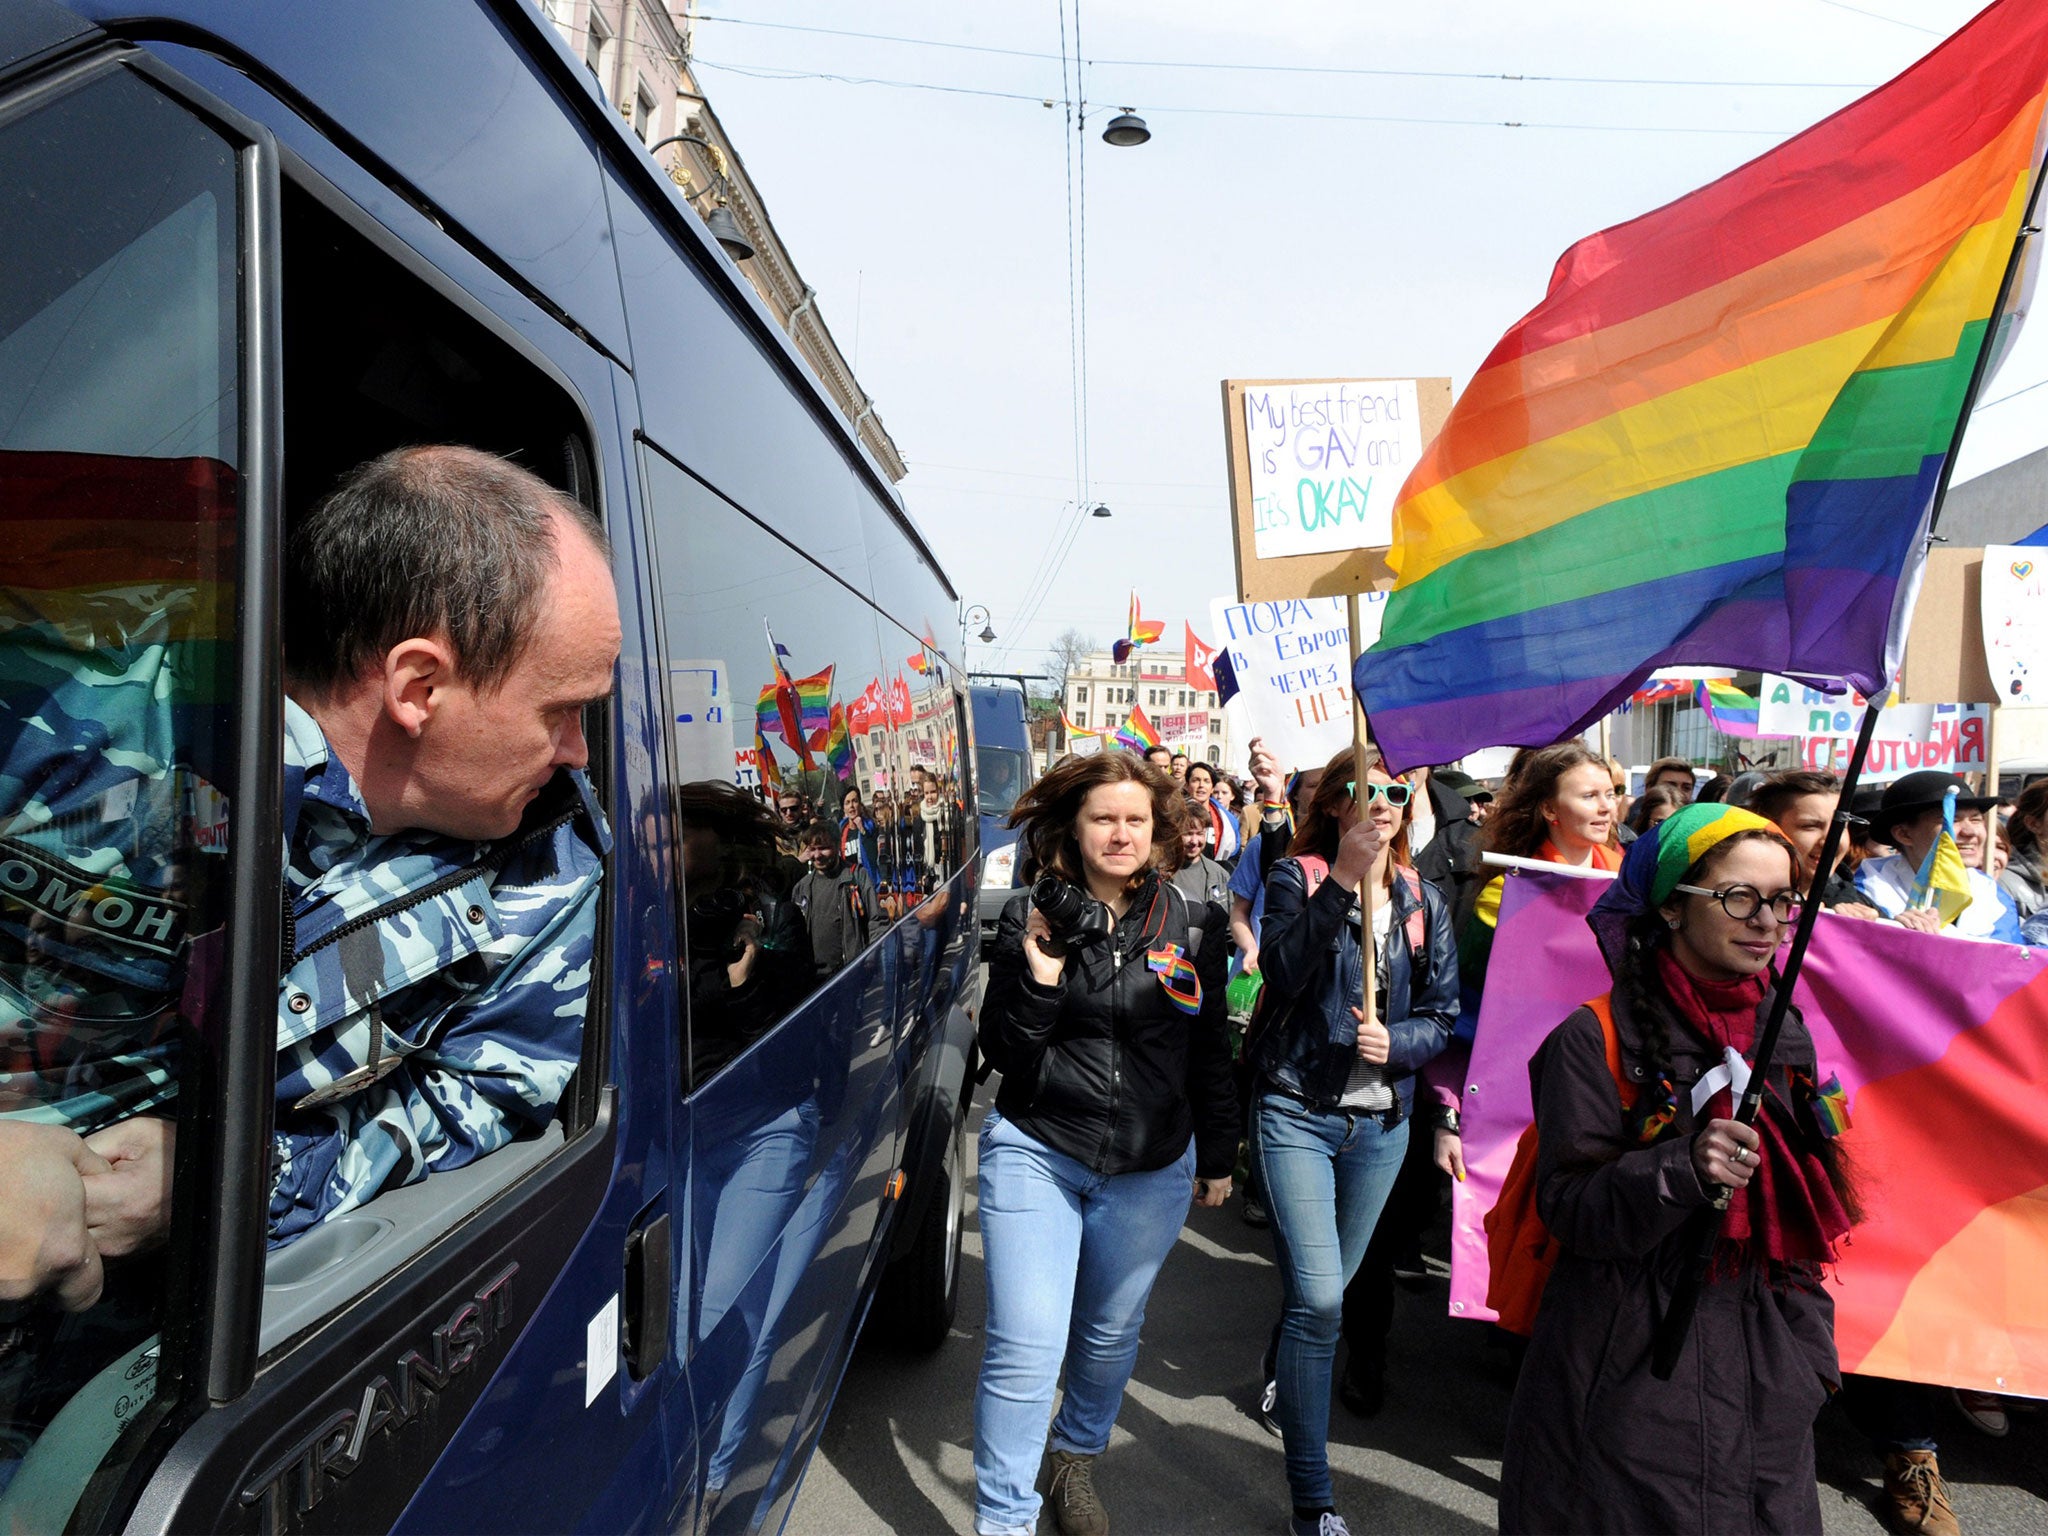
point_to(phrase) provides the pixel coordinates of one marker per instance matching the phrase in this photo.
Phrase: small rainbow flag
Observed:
(1717, 439)
(799, 710)
(764, 762)
(1138, 631)
(1177, 978)
(839, 743)
(1136, 732)
(1830, 1101)
(1072, 729)
(1733, 712)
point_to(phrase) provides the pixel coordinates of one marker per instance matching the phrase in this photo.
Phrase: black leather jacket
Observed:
(1103, 1066)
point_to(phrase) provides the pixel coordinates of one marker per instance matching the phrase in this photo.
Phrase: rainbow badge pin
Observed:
(1831, 1106)
(1177, 978)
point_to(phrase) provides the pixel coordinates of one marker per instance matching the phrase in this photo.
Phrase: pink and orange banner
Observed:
(1942, 1044)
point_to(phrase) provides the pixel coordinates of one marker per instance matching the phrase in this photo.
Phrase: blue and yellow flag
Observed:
(1943, 883)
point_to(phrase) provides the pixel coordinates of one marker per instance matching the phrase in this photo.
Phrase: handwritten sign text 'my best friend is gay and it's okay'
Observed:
(1326, 460)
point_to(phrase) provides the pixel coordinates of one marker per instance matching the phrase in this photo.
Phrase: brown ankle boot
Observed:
(1071, 1492)
(1915, 1498)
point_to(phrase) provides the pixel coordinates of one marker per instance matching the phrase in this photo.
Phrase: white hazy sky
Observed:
(1251, 238)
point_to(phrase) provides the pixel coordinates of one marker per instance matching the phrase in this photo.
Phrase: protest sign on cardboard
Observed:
(2014, 596)
(1909, 737)
(1315, 465)
(1292, 661)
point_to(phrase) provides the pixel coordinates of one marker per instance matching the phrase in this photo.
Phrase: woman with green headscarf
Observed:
(1633, 1096)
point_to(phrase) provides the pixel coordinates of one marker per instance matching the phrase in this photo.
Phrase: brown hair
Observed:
(1048, 809)
(1646, 805)
(2032, 805)
(1516, 826)
(1207, 768)
(1318, 832)
(1679, 763)
(1774, 797)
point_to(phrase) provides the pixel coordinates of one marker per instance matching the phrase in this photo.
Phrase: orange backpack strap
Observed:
(1520, 1252)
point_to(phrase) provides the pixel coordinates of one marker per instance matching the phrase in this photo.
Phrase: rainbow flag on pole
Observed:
(1733, 712)
(1136, 732)
(1717, 439)
(1138, 631)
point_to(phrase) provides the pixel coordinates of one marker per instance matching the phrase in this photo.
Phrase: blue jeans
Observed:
(1327, 1176)
(1070, 1256)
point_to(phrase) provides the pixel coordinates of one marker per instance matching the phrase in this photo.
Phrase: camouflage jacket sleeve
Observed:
(435, 1035)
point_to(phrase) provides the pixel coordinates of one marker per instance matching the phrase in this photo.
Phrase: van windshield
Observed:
(1000, 774)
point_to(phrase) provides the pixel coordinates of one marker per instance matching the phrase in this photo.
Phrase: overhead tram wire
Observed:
(1240, 66)
(767, 73)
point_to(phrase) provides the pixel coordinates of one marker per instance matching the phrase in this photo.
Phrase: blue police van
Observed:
(247, 246)
(1002, 772)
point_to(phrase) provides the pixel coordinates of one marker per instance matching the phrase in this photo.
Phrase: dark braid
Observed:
(1642, 989)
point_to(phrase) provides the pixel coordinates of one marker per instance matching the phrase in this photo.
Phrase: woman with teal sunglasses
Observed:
(1332, 1092)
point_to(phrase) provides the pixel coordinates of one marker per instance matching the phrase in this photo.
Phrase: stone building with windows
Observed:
(638, 51)
(1100, 695)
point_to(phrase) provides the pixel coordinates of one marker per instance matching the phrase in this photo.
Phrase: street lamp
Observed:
(1126, 130)
(988, 634)
(724, 228)
(1098, 510)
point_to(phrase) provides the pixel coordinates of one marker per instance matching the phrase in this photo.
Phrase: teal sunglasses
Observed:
(1396, 795)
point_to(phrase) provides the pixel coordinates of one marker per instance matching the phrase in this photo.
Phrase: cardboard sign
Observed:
(1909, 737)
(2014, 594)
(1315, 465)
(1293, 666)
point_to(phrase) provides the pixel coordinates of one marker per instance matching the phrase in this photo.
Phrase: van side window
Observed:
(789, 866)
(119, 505)
(919, 742)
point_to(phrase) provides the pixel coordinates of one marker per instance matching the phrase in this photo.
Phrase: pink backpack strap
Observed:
(1314, 869)
(1418, 920)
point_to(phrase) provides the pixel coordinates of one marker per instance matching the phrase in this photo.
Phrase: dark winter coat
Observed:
(1315, 975)
(1451, 859)
(1102, 1066)
(1595, 1442)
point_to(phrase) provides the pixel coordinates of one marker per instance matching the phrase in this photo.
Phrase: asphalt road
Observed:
(897, 1454)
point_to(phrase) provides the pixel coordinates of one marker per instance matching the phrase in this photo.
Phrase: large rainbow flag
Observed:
(1136, 732)
(1942, 1046)
(1717, 440)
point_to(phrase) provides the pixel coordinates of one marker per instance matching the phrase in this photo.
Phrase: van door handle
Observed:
(650, 1272)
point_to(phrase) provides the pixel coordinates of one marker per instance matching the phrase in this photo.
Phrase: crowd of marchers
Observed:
(1192, 1001)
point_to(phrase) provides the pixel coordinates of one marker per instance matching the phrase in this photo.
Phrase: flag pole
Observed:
(1706, 1225)
(1367, 952)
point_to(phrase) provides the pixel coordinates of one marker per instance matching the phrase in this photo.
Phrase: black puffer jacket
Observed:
(1103, 1066)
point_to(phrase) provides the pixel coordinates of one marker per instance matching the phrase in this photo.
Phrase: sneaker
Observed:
(1985, 1411)
(1269, 1398)
(1328, 1523)
(1255, 1213)
(1071, 1493)
(1915, 1498)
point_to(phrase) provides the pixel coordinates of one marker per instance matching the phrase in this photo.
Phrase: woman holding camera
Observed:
(1105, 1016)
(1333, 1092)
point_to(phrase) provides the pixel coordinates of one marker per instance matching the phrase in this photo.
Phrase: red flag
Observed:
(1198, 659)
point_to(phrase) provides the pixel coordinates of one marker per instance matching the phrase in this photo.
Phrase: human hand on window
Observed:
(128, 1206)
(44, 1243)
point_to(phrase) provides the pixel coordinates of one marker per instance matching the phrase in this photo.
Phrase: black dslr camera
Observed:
(1076, 920)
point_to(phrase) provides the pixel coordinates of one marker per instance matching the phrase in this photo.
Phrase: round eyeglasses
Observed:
(1742, 902)
(1396, 795)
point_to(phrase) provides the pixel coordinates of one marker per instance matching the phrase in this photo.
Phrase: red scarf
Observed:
(1789, 1211)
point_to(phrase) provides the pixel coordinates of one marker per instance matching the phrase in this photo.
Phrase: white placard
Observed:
(2015, 608)
(1293, 665)
(701, 695)
(1909, 737)
(600, 1350)
(1326, 460)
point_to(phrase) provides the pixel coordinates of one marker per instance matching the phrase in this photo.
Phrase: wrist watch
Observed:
(1447, 1119)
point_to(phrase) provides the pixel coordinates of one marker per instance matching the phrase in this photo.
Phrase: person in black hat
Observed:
(1910, 818)
(1476, 795)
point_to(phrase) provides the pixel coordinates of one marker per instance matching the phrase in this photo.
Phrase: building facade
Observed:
(638, 51)
(1100, 695)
